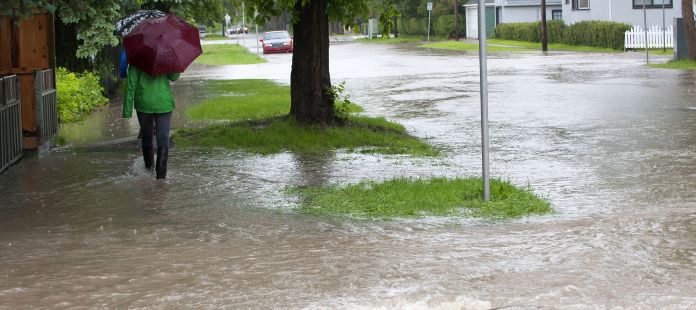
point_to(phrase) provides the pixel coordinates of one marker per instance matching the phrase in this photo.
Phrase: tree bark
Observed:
(544, 35)
(456, 20)
(689, 28)
(310, 83)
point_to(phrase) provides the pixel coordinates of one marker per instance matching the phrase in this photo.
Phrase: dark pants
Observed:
(147, 122)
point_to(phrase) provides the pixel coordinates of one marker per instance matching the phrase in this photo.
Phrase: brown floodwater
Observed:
(610, 142)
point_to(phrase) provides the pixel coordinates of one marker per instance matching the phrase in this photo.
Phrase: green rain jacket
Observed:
(151, 94)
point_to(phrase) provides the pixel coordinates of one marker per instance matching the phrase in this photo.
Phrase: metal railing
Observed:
(10, 121)
(46, 109)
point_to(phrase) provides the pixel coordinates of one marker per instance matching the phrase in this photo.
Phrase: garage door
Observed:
(472, 22)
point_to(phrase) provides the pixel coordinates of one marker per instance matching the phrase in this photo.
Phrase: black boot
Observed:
(149, 157)
(161, 166)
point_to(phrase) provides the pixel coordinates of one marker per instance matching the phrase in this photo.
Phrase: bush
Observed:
(530, 32)
(78, 95)
(444, 26)
(587, 33)
(596, 33)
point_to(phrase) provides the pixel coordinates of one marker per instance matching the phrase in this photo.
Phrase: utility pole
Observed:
(645, 25)
(664, 29)
(483, 69)
(544, 35)
(456, 20)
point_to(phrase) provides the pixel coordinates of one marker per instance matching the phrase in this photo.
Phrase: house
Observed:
(622, 11)
(510, 11)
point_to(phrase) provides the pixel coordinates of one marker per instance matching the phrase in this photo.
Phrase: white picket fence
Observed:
(635, 38)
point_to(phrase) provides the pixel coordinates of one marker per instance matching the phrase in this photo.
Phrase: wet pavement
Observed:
(610, 142)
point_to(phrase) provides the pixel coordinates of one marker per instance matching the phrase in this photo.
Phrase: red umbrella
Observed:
(162, 45)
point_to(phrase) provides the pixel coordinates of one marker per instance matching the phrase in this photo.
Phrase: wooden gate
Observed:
(10, 122)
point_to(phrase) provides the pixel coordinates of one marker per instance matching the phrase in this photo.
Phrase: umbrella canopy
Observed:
(125, 25)
(162, 45)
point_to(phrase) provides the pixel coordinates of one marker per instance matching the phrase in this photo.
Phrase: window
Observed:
(585, 4)
(652, 4)
(556, 14)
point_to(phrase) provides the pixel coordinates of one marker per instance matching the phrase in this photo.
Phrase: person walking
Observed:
(153, 101)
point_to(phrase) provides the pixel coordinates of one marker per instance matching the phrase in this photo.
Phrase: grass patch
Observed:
(676, 64)
(401, 198)
(495, 45)
(398, 40)
(553, 46)
(470, 47)
(278, 134)
(257, 112)
(227, 54)
(215, 37)
(238, 100)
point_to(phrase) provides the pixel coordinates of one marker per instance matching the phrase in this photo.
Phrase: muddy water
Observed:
(608, 141)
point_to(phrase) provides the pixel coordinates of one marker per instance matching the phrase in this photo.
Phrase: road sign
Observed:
(430, 6)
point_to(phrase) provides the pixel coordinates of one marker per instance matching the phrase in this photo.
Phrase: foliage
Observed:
(530, 32)
(342, 103)
(586, 33)
(386, 17)
(78, 95)
(399, 198)
(444, 25)
(596, 33)
(227, 54)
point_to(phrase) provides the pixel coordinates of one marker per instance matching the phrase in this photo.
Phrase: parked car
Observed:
(201, 31)
(239, 29)
(276, 42)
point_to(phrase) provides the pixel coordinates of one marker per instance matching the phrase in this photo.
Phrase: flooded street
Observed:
(610, 142)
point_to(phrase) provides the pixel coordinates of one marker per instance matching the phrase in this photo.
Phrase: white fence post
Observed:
(635, 37)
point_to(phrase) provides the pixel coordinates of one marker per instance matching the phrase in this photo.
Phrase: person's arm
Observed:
(131, 84)
(123, 66)
(173, 76)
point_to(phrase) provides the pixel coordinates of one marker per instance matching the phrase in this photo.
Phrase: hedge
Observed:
(442, 25)
(588, 33)
(78, 94)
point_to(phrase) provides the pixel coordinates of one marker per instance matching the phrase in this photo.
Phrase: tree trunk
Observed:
(396, 27)
(310, 84)
(456, 20)
(544, 34)
(689, 29)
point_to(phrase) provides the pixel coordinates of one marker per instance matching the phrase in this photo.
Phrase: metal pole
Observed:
(243, 26)
(429, 25)
(664, 29)
(484, 98)
(645, 24)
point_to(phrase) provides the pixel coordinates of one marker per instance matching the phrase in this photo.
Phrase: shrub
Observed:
(444, 26)
(596, 33)
(530, 32)
(78, 94)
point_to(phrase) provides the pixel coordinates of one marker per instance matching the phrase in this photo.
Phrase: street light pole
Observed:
(484, 99)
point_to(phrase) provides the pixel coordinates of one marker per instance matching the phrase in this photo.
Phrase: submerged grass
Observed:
(495, 45)
(237, 100)
(376, 135)
(227, 54)
(257, 109)
(677, 64)
(399, 198)
(469, 47)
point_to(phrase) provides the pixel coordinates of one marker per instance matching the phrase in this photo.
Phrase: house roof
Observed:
(514, 2)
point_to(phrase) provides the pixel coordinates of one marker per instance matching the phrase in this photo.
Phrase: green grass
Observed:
(215, 37)
(495, 45)
(227, 54)
(284, 134)
(552, 46)
(404, 198)
(257, 113)
(677, 64)
(469, 47)
(237, 100)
